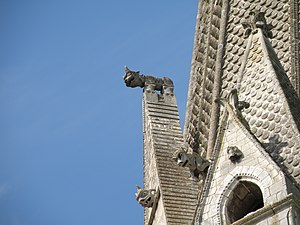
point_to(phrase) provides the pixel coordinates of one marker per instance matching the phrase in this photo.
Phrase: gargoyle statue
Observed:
(149, 83)
(257, 20)
(234, 101)
(145, 197)
(193, 161)
(234, 154)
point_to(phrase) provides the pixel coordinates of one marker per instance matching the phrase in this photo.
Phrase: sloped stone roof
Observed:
(283, 15)
(274, 112)
(162, 133)
(277, 14)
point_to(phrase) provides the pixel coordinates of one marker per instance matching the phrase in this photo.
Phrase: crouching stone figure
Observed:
(149, 83)
(193, 161)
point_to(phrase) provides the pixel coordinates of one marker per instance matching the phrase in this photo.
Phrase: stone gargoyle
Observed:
(145, 197)
(234, 101)
(234, 154)
(149, 83)
(193, 161)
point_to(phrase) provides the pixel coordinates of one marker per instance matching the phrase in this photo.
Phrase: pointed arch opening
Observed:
(245, 198)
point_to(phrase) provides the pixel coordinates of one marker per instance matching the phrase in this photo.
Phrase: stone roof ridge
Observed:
(244, 62)
(274, 112)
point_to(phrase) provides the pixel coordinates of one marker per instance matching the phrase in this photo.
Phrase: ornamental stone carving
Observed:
(145, 197)
(193, 161)
(234, 154)
(234, 101)
(149, 83)
(256, 21)
(232, 104)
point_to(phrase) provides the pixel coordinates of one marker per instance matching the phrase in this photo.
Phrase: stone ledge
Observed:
(268, 210)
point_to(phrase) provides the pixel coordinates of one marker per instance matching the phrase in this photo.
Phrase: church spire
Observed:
(281, 15)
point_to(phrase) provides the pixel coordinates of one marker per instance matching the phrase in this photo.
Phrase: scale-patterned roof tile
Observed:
(279, 13)
(273, 105)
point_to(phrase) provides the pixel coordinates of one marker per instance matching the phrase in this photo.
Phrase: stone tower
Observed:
(238, 160)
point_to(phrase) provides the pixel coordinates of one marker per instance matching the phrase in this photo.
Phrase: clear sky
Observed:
(70, 131)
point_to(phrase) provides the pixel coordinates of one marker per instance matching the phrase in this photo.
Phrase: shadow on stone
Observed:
(274, 147)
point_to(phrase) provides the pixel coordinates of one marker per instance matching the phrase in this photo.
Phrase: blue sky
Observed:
(71, 132)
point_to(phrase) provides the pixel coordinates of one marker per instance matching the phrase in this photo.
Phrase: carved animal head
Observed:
(234, 154)
(184, 159)
(145, 197)
(132, 78)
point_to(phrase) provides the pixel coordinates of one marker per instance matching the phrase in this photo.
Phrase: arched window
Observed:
(246, 197)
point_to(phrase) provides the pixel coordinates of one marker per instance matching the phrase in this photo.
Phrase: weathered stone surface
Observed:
(202, 75)
(276, 126)
(162, 132)
(225, 188)
(268, 78)
(285, 42)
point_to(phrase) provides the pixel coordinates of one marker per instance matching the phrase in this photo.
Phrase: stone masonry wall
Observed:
(255, 166)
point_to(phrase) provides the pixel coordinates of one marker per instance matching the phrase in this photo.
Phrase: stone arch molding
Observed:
(254, 174)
